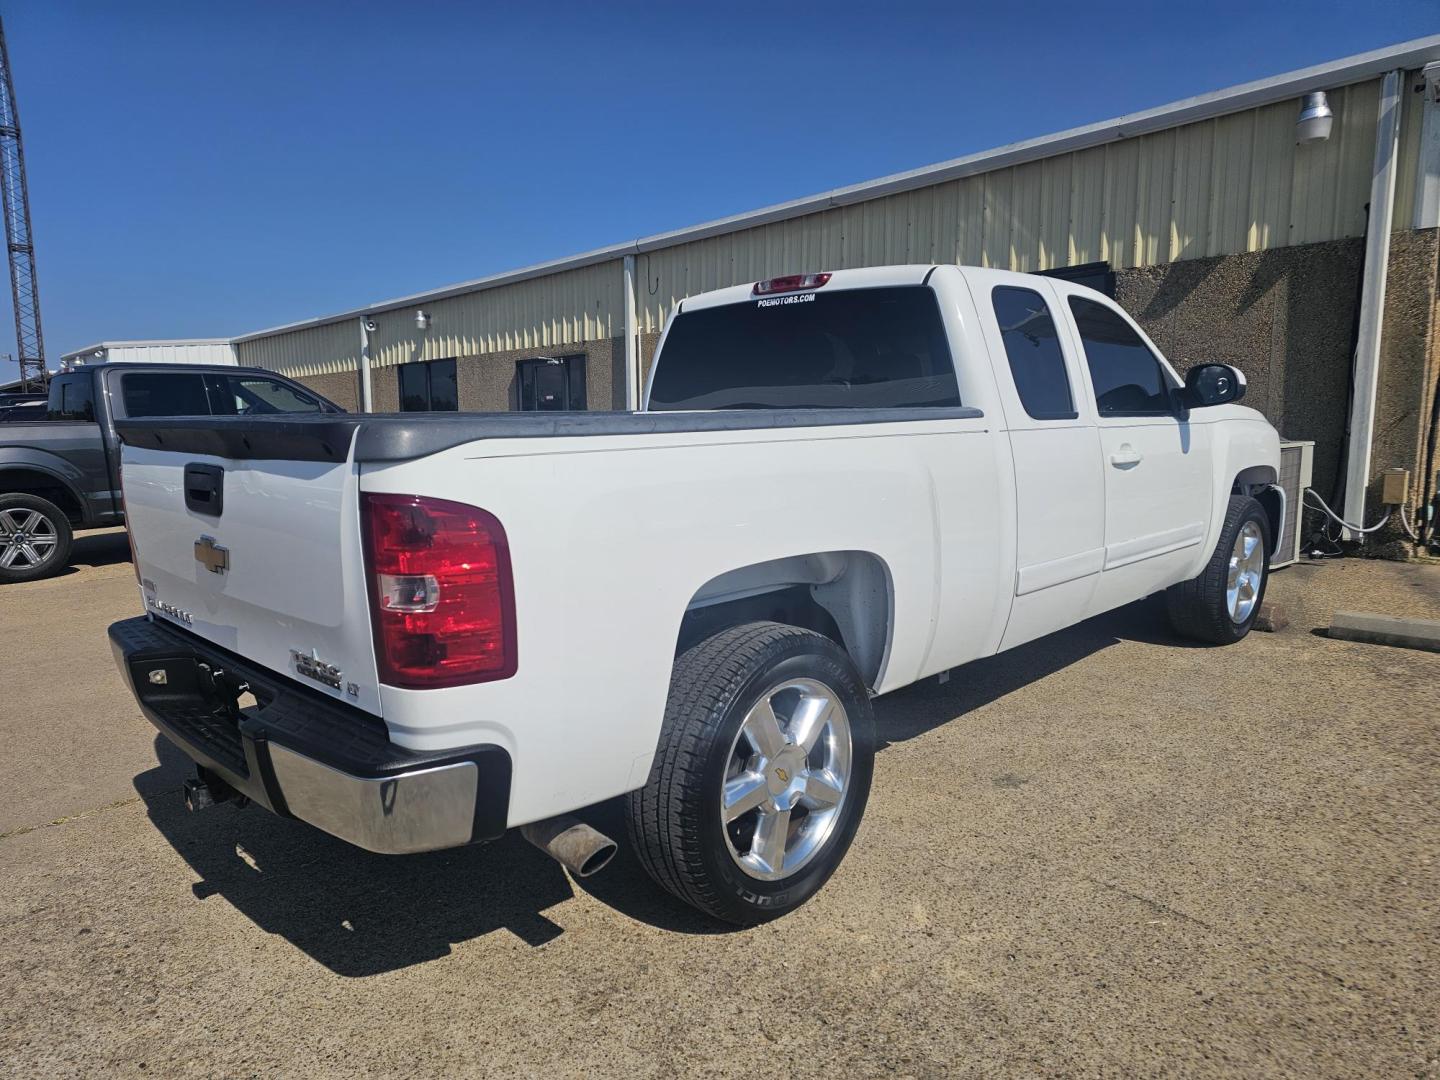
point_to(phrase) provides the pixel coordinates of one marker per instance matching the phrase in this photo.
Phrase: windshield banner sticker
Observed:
(793, 298)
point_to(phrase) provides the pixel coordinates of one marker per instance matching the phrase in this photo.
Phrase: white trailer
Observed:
(173, 351)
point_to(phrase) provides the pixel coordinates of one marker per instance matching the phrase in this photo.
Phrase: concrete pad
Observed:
(1386, 630)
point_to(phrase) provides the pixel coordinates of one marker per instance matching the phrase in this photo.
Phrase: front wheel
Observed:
(1221, 604)
(761, 773)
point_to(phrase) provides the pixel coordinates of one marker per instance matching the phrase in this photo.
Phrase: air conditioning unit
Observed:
(1297, 466)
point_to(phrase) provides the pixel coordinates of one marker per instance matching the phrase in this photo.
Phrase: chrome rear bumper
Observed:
(414, 811)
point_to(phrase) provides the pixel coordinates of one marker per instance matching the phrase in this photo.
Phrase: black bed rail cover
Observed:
(406, 436)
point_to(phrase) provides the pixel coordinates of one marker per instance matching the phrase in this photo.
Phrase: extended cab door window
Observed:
(849, 349)
(1032, 347)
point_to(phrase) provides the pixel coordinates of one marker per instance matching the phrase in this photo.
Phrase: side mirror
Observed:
(1213, 384)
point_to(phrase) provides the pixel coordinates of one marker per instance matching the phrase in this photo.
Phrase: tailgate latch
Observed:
(211, 555)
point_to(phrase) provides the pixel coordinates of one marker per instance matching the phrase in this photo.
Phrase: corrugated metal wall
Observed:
(559, 309)
(1231, 184)
(317, 350)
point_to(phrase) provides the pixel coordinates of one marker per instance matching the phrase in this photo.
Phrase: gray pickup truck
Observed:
(59, 472)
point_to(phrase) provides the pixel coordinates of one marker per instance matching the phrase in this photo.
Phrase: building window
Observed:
(552, 383)
(429, 386)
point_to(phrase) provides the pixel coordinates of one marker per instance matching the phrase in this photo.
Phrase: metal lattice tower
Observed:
(15, 204)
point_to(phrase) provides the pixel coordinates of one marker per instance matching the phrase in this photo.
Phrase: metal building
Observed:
(1237, 225)
(173, 351)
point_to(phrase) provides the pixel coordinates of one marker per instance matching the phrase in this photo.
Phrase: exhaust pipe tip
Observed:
(574, 845)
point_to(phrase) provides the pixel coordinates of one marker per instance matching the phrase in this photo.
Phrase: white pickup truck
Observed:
(418, 631)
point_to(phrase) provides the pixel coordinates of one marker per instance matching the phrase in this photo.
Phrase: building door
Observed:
(552, 383)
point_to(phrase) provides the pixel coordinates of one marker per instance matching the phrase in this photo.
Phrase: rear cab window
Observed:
(850, 348)
(72, 397)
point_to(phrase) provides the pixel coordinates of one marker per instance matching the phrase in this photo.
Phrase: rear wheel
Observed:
(34, 538)
(1221, 604)
(761, 774)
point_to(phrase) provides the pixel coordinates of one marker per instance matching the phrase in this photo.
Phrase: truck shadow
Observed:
(100, 548)
(363, 914)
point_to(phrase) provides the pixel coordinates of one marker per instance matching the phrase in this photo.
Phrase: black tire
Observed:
(675, 821)
(1198, 608)
(52, 521)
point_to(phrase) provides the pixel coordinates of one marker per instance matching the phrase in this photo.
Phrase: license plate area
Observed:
(202, 702)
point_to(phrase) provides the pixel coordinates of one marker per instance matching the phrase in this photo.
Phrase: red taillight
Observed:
(441, 593)
(793, 283)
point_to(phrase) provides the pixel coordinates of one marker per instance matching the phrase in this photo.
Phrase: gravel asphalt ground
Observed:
(1107, 852)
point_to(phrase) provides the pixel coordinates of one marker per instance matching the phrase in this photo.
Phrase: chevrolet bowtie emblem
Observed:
(783, 775)
(211, 555)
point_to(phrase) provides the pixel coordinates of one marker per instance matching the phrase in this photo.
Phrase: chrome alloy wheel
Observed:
(27, 539)
(1247, 570)
(786, 779)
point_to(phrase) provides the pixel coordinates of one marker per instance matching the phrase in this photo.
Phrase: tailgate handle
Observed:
(205, 488)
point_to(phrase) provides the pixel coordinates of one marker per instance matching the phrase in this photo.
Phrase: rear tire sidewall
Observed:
(59, 557)
(752, 899)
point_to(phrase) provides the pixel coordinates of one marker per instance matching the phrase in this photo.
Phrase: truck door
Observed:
(1156, 464)
(1060, 496)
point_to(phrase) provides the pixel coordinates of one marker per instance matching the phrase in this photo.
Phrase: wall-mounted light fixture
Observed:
(1316, 119)
(422, 320)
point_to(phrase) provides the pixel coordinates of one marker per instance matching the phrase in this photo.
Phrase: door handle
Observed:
(1126, 457)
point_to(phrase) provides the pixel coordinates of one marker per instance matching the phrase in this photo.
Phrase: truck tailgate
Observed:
(261, 557)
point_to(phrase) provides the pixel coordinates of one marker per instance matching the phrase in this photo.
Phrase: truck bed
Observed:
(382, 437)
(614, 523)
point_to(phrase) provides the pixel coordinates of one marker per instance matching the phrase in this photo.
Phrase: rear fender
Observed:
(29, 470)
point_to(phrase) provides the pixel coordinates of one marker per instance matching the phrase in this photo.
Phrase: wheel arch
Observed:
(1261, 482)
(28, 479)
(848, 596)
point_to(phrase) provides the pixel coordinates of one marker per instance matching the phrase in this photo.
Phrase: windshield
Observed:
(852, 348)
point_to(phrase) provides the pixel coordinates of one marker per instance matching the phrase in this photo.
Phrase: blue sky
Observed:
(205, 169)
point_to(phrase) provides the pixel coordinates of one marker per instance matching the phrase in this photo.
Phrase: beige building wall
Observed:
(1233, 184)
